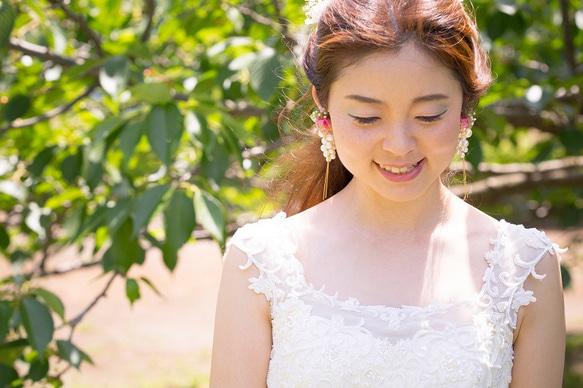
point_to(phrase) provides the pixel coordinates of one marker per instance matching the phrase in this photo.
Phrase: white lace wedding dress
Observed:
(322, 341)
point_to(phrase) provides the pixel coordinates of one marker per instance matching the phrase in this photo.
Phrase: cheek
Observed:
(350, 140)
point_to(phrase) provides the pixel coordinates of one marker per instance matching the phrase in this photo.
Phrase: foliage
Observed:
(574, 361)
(137, 125)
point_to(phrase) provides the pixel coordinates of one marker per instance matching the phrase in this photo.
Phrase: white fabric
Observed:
(322, 341)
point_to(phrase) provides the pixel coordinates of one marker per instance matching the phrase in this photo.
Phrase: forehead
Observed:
(407, 72)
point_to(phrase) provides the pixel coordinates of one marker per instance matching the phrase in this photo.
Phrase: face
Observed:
(395, 119)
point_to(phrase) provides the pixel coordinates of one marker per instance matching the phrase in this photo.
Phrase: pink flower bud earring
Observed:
(324, 126)
(466, 124)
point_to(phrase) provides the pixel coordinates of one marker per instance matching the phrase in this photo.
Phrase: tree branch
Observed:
(568, 39)
(75, 321)
(516, 178)
(80, 20)
(520, 115)
(41, 52)
(281, 29)
(22, 123)
(149, 9)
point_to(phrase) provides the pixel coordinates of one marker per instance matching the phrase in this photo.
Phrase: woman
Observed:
(392, 281)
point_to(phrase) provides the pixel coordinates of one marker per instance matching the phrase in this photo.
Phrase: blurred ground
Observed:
(160, 341)
(166, 341)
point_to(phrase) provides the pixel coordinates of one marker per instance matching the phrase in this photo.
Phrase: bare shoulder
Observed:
(242, 338)
(539, 337)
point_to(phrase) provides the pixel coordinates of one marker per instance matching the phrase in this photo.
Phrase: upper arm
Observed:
(242, 338)
(539, 347)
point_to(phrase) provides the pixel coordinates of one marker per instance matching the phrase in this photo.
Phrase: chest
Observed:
(408, 273)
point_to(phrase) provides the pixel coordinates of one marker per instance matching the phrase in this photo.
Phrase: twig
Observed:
(22, 123)
(260, 18)
(41, 52)
(80, 20)
(75, 321)
(568, 37)
(71, 268)
(282, 29)
(149, 9)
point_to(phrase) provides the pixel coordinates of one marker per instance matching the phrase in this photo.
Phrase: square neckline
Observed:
(354, 303)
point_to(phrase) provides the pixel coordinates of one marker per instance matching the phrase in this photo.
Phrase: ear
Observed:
(315, 97)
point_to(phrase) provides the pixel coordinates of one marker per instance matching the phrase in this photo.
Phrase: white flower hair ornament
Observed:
(314, 9)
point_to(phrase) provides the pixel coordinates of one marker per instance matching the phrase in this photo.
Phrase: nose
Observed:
(399, 139)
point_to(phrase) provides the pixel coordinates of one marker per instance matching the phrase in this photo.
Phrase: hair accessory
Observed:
(466, 124)
(313, 10)
(324, 126)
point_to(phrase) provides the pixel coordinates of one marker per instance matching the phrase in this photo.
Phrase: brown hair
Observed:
(348, 31)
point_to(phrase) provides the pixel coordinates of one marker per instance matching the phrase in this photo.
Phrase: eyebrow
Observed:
(369, 100)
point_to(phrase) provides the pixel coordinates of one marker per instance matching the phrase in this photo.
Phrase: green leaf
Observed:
(11, 351)
(566, 277)
(152, 93)
(38, 323)
(17, 107)
(7, 18)
(41, 161)
(94, 154)
(179, 219)
(125, 249)
(5, 315)
(210, 214)
(151, 285)
(170, 256)
(129, 138)
(165, 125)
(72, 354)
(197, 128)
(71, 166)
(132, 290)
(51, 300)
(4, 238)
(179, 222)
(117, 215)
(7, 374)
(114, 75)
(265, 75)
(69, 195)
(38, 369)
(91, 223)
(147, 205)
(216, 160)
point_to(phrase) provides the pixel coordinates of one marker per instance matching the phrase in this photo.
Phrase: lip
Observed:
(401, 178)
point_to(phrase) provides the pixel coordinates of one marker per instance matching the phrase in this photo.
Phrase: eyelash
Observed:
(371, 120)
(431, 119)
(365, 120)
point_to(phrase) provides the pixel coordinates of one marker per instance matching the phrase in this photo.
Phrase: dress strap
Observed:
(516, 252)
(270, 252)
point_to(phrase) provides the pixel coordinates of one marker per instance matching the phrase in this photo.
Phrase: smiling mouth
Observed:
(399, 170)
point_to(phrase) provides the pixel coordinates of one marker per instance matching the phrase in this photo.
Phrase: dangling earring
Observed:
(324, 126)
(466, 124)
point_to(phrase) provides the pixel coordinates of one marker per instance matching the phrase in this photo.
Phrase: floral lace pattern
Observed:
(320, 340)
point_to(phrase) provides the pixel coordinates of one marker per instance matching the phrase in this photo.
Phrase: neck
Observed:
(370, 214)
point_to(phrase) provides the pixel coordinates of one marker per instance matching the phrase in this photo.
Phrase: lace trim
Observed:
(501, 291)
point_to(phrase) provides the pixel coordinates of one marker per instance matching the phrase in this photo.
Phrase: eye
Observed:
(431, 119)
(364, 120)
